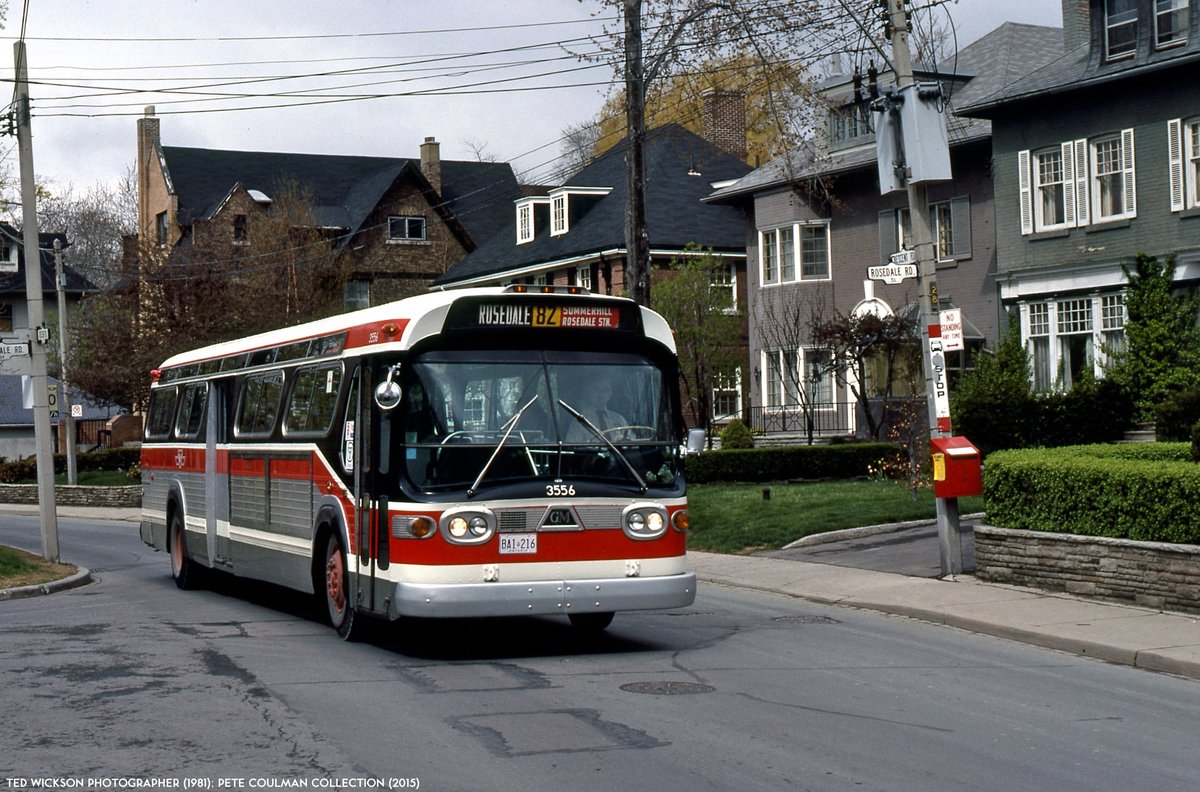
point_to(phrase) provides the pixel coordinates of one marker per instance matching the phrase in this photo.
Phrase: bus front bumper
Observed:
(543, 597)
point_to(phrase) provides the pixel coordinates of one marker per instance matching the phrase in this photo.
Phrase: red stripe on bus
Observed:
(554, 547)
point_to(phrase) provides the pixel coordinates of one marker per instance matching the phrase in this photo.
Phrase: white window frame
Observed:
(1110, 26)
(403, 221)
(782, 259)
(560, 221)
(1048, 325)
(724, 278)
(1124, 174)
(1165, 8)
(524, 223)
(1064, 183)
(583, 276)
(723, 388)
(828, 263)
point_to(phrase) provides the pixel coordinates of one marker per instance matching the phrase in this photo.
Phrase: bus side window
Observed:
(192, 405)
(162, 413)
(259, 404)
(315, 391)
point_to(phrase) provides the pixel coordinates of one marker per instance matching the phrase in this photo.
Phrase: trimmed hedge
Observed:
(1143, 492)
(785, 463)
(108, 459)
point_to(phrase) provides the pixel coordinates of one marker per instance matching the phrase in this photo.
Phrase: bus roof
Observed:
(398, 325)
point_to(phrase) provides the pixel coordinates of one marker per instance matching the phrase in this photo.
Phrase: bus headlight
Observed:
(468, 526)
(644, 521)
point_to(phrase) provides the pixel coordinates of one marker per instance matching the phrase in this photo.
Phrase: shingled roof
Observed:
(13, 283)
(681, 168)
(345, 189)
(1006, 54)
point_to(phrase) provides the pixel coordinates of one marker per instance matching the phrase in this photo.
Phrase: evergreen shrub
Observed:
(736, 434)
(787, 463)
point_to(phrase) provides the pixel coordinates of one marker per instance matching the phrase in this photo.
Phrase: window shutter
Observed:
(960, 228)
(1023, 178)
(1175, 163)
(1127, 160)
(888, 243)
(1082, 198)
(1068, 165)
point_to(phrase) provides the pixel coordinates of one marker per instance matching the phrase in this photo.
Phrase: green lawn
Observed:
(734, 518)
(18, 568)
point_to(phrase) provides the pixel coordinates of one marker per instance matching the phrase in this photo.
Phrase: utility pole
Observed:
(637, 238)
(65, 409)
(937, 388)
(37, 322)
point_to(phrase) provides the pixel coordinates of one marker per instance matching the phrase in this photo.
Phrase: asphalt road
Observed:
(130, 678)
(909, 551)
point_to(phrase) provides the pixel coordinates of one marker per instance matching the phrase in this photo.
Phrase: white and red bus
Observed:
(443, 456)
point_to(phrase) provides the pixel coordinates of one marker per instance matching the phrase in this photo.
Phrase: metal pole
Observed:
(33, 294)
(65, 409)
(949, 544)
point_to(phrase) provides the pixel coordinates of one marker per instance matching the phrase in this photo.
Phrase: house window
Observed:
(1112, 177)
(524, 223)
(357, 294)
(160, 228)
(1050, 188)
(849, 125)
(783, 380)
(1170, 22)
(406, 228)
(904, 240)
(1075, 345)
(1120, 26)
(787, 255)
(558, 215)
(727, 396)
(1112, 323)
(818, 378)
(769, 245)
(1193, 163)
(723, 282)
(1039, 342)
(6, 318)
(943, 230)
(814, 252)
(583, 277)
(239, 229)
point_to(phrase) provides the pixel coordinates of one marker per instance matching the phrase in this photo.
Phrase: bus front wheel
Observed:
(337, 589)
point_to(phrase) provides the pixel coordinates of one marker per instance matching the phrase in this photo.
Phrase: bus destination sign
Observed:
(578, 317)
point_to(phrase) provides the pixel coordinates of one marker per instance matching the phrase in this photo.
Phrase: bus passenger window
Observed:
(260, 403)
(191, 411)
(162, 411)
(314, 399)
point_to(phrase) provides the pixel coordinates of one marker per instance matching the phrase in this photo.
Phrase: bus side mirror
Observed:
(388, 393)
(695, 441)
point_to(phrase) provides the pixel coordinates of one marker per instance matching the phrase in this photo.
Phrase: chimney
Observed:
(1076, 24)
(724, 122)
(431, 162)
(147, 145)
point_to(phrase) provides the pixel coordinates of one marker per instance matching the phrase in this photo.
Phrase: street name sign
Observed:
(892, 273)
(14, 357)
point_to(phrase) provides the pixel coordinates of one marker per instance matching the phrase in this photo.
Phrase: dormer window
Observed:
(1120, 28)
(558, 215)
(1170, 23)
(524, 223)
(848, 126)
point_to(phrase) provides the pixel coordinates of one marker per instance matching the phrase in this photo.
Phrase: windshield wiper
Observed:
(511, 425)
(594, 430)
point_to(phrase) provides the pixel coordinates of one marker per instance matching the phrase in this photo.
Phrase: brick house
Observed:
(818, 221)
(395, 224)
(1096, 159)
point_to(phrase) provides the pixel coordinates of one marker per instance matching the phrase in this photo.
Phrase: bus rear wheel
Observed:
(591, 622)
(337, 589)
(184, 571)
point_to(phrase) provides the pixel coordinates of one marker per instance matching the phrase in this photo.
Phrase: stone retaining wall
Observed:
(1151, 574)
(67, 495)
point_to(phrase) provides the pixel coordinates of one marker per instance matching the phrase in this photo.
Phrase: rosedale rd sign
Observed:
(15, 357)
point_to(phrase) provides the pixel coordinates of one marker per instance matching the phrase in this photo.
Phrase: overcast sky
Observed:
(93, 64)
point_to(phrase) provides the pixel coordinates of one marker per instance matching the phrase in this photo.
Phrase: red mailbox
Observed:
(957, 468)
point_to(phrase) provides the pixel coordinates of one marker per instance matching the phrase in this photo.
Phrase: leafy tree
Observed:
(706, 331)
(1162, 352)
(991, 403)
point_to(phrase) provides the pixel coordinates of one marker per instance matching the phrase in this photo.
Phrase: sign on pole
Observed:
(15, 357)
(952, 330)
(892, 273)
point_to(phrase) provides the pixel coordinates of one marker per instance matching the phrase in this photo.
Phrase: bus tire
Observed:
(336, 588)
(591, 622)
(184, 571)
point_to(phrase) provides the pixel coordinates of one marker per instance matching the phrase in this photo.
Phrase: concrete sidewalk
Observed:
(1140, 637)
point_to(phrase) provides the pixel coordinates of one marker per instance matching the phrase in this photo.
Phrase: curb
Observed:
(80, 578)
(867, 530)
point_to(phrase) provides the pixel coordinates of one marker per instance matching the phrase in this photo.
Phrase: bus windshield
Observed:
(474, 419)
